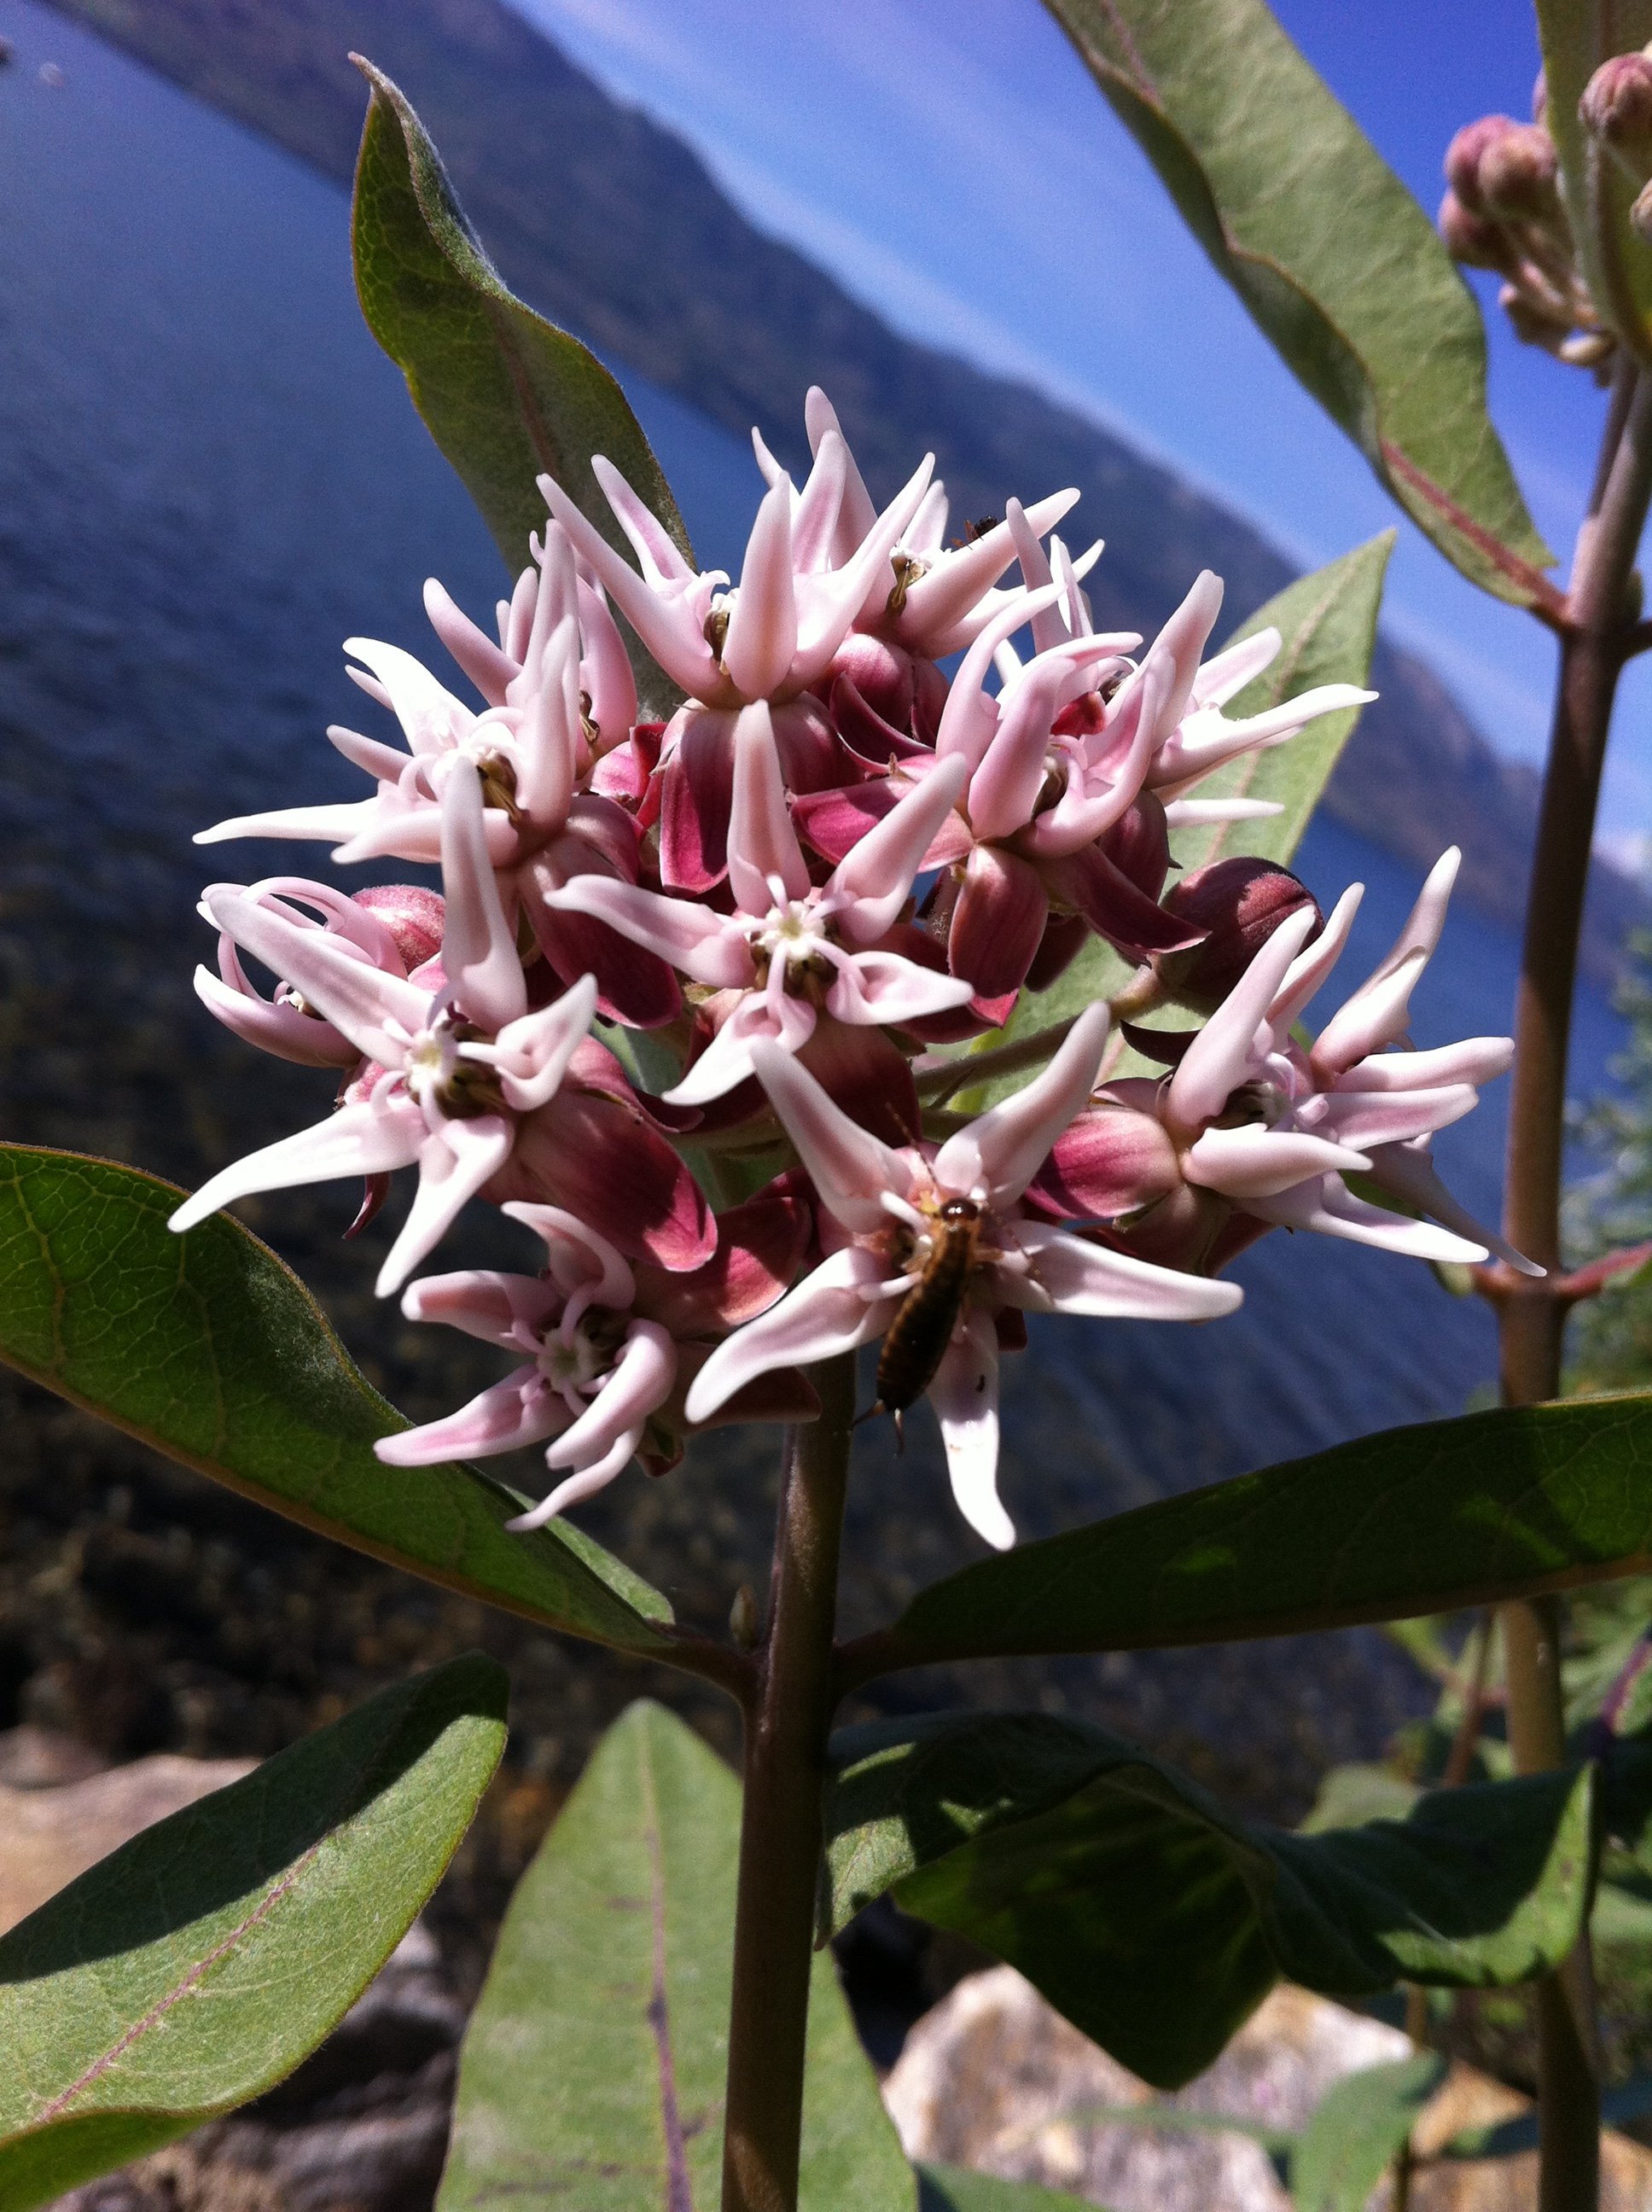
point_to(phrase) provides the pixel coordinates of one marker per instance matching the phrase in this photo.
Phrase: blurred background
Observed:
(210, 476)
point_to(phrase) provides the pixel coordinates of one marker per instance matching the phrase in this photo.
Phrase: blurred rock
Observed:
(41, 1758)
(48, 1835)
(994, 2078)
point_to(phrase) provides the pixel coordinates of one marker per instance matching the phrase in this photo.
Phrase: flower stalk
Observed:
(788, 1717)
(1598, 638)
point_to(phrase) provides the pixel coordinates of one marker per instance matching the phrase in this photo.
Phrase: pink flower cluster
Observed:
(831, 864)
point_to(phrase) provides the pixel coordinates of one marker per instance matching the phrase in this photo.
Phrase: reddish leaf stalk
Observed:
(1597, 638)
(786, 1721)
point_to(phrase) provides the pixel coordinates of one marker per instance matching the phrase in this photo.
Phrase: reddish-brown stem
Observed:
(786, 1721)
(1600, 613)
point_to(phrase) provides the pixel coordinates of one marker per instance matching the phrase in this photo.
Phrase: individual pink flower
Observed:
(1250, 1122)
(453, 1073)
(285, 1023)
(535, 747)
(933, 599)
(885, 1204)
(789, 951)
(610, 1347)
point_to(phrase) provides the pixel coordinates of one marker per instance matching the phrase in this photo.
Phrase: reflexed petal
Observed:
(668, 626)
(1001, 1151)
(1256, 1162)
(1308, 971)
(698, 780)
(1365, 1118)
(431, 717)
(598, 1157)
(1333, 1210)
(521, 1410)
(762, 842)
(1220, 1057)
(580, 1260)
(964, 1393)
(321, 825)
(1226, 673)
(658, 552)
(487, 665)
(585, 1483)
(532, 1054)
(1379, 1011)
(702, 943)
(970, 715)
(1110, 1161)
(999, 921)
(875, 987)
(454, 1162)
(825, 1315)
(1115, 907)
(367, 1137)
(281, 1029)
(763, 625)
(937, 603)
(478, 948)
(787, 1024)
(1475, 1061)
(1409, 1172)
(1071, 1276)
(511, 1311)
(760, 1246)
(851, 1169)
(876, 877)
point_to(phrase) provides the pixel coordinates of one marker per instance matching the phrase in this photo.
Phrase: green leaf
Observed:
(208, 1348)
(1577, 36)
(507, 396)
(1340, 266)
(592, 2071)
(1327, 626)
(957, 2189)
(1155, 1920)
(1449, 1514)
(1358, 2128)
(194, 1967)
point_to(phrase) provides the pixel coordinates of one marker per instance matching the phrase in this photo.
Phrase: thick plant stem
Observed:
(786, 1722)
(1601, 614)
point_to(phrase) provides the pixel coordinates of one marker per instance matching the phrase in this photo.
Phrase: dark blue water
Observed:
(209, 476)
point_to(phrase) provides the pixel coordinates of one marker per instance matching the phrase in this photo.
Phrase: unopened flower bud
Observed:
(1465, 153)
(412, 914)
(1473, 239)
(1240, 902)
(1520, 174)
(1617, 109)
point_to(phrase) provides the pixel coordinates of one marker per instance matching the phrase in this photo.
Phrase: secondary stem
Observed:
(1601, 614)
(786, 1722)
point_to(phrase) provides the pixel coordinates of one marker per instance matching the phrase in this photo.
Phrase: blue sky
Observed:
(952, 163)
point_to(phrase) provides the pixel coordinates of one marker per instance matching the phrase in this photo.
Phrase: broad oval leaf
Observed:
(1358, 2128)
(1507, 1504)
(593, 2070)
(1336, 261)
(1327, 627)
(194, 1967)
(507, 395)
(1154, 1919)
(1577, 36)
(210, 1349)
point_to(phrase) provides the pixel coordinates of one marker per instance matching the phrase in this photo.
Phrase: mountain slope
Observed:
(614, 226)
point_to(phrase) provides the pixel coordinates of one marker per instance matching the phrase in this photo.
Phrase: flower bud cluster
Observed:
(833, 863)
(1502, 211)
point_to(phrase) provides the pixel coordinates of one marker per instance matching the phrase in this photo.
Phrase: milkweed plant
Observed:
(823, 969)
